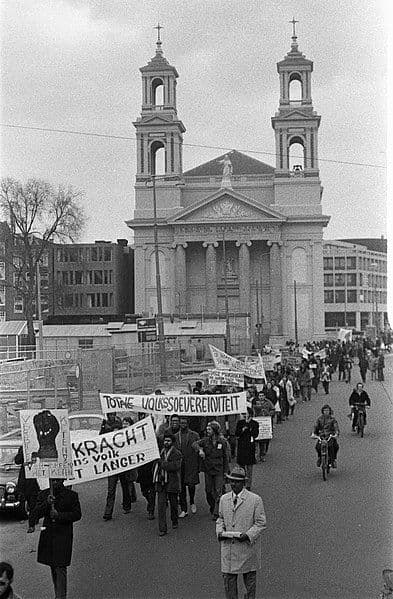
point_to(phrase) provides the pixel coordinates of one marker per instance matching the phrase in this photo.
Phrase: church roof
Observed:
(241, 163)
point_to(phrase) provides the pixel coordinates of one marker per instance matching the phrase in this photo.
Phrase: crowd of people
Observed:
(191, 445)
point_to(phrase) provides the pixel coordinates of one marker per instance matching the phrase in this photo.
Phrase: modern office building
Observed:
(355, 283)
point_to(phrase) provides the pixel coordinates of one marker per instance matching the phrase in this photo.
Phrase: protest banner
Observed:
(270, 360)
(344, 335)
(265, 427)
(115, 452)
(46, 443)
(292, 359)
(223, 361)
(184, 405)
(225, 377)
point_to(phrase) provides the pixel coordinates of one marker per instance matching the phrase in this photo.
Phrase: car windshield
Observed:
(7, 455)
(85, 423)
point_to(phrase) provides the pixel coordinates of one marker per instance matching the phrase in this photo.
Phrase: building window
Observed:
(2, 296)
(18, 305)
(81, 254)
(339, 279)
(73, 255)
(78, 277)
(329, 297)
(108, 277)
(351, 279)
(105, 301)
(2, 270)
(107, 254)
(2, 316)
(328, 280)
(85, 343)
(97, 277)
(91, 300)
(328, 263)
(68, 300)
(339, 262)
(96, 254)
(2, 248)
(351, 263)
(64, 277)
(339, 297)
(351, 296)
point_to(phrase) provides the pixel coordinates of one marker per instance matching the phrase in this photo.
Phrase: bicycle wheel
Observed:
(361, 425)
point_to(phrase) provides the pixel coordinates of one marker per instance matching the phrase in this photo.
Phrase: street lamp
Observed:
(374, 267)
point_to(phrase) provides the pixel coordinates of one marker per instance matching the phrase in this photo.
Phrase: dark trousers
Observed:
(292, 409)
(380, 374)
(183, 492)
(326, 386)
(59, 578)
(230, 585)
(305, 391)
(149, 493)
(363, 375)
(213, 490)
(263, 447)
(110, 498)
(162, 497)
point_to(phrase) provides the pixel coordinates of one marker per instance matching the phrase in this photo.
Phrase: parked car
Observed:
(10, 498)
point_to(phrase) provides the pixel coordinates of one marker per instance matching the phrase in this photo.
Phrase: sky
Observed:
(74, 64)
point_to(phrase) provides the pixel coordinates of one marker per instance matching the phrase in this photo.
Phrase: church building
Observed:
(236, 236)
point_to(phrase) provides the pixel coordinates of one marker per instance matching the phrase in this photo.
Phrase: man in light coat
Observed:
(239, 526)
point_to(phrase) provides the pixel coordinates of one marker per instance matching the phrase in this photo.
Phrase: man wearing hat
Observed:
(239, 526)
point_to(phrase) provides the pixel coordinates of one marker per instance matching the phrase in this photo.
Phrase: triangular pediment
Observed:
(227, 205)
(156, 120)
(295, 114)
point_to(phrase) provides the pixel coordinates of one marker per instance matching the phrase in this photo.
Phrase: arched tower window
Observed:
(157, 92)
(296, 154)
(158, 158)
(295, 88)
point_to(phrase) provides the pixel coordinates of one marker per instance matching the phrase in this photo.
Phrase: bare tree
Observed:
(38, 215)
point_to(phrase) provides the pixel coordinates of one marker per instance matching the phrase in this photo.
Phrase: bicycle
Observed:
(361, 417)
(325, 460)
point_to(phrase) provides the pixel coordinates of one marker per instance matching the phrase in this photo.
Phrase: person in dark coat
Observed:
(59, 511)
(247, 431)
(363, 365)
(189, 473)
(145, 479)
(166, 475)
(27, 487)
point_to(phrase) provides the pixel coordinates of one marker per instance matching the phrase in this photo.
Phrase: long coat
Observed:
(55, 544)
(183, 442)
(248, 517)
(172, 466)
(246, 433)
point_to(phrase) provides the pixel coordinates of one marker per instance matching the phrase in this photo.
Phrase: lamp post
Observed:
(160, 320)
(227, 325)
(374, 267)
(295, 306)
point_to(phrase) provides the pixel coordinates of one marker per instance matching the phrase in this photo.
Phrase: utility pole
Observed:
(295, 300)
(258, 319)
(160, 320)
(227, 325)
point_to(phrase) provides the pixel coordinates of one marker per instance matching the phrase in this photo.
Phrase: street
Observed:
(324, 540)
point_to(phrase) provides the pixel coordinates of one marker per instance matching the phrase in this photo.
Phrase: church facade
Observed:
(235, 235)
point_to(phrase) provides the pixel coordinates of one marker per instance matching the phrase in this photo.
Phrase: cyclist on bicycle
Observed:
(358, 396)
(327, 425)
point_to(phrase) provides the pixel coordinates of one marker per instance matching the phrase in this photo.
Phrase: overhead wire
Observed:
(193, 145)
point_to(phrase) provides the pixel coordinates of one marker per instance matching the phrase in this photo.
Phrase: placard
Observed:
(265, 427)
(225, 377)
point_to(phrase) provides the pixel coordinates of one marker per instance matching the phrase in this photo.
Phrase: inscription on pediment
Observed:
(227, 208)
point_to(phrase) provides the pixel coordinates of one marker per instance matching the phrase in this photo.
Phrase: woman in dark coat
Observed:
(246, 433)
(59, 511)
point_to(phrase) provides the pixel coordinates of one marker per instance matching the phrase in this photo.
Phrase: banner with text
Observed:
(183, 405)
(46, 443)
(223, 361)
(225, 377)
(100, 456)
(265, 427)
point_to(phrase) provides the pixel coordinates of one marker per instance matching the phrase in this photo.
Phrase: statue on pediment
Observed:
(227, 171)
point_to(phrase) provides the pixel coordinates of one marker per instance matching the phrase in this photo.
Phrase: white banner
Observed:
(270, 360)
(344, 335)
(265, 427)
(46, 443)
(100, 456)
(225, 377)
(223, 361)
(183, 405)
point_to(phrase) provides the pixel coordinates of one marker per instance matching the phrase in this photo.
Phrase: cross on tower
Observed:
(294, 26)
(158, 27)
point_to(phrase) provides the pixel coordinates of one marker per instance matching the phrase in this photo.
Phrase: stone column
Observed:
(180, 277)
(211, 275)
(244, 275)
(275, 288)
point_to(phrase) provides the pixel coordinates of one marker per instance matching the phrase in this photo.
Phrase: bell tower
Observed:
(159, 132)
(296, 122)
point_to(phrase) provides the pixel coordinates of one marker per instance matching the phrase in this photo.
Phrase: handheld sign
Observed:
(115, 452)
(265, 427)
(182, 405)
(46, 443)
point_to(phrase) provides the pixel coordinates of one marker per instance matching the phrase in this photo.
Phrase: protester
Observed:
(290, 395)
(166, 476)
(380, 366)
(189, 473)
(348, 362)
(59, 511)
(326, 377)
(241, 512)
(247, 430)
(214, 451)
(284, 398)
(264, 407)
(111, 424)
(6, 580)
(304, 379)
(27, 487)
(363, 365)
